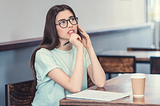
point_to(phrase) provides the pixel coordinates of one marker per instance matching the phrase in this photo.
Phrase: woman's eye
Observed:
(72, 19)
(62, 22)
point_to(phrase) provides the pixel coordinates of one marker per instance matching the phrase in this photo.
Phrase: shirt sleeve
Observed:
(87, 58)
(44, 62)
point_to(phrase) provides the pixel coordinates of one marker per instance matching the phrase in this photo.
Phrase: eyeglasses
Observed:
(64, 23)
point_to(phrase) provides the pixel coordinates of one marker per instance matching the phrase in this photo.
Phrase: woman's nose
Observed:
(69, 24)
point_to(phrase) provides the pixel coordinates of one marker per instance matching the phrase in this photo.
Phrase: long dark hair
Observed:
(50, 38)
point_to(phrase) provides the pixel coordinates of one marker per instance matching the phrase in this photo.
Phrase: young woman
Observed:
(62, 69)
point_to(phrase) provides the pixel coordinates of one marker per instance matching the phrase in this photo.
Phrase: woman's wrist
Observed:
(89, 49)
(80, 48)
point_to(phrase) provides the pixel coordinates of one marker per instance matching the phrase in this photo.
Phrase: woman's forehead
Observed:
(64, 15)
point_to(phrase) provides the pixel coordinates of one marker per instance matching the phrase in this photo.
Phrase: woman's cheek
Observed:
(60, 32)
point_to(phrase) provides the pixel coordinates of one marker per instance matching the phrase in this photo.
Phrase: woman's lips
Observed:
(70, 32)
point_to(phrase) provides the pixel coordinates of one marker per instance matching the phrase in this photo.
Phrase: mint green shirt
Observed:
(49, 92)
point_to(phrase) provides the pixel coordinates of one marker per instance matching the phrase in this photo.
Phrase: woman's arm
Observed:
(73, 83)
(95, 70)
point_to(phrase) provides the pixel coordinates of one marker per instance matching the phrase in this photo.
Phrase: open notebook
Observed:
(97, 95)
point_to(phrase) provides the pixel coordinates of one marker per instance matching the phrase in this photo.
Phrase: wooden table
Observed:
(122, 83)
(141, 56)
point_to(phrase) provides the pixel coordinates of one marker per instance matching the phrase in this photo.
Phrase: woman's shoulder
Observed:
(43, 51)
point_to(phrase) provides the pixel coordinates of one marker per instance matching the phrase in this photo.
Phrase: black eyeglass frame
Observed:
(76, 18)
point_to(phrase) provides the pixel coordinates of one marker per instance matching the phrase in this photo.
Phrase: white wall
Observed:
(23, 19)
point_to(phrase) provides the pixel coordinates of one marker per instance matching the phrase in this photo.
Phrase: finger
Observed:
(76, 36)
(83, 35)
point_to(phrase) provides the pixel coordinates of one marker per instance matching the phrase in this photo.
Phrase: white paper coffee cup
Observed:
(138, 84)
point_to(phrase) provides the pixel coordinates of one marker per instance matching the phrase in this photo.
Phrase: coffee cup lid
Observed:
(138, 75)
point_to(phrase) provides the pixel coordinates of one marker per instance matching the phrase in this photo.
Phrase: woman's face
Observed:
(65, 33)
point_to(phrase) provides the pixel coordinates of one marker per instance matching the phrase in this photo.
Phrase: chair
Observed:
(142, 49)
(117, 64)
(19, 94)
(155, 65)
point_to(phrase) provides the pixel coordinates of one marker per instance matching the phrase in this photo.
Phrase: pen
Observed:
(66, 43)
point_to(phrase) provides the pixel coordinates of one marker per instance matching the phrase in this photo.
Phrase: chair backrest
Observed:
(19, 94)
(117, 64)
(142, 49)
(155, 65)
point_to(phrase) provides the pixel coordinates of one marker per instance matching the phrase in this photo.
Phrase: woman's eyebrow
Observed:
(64, 19)
(61, 20)
(71, 16)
